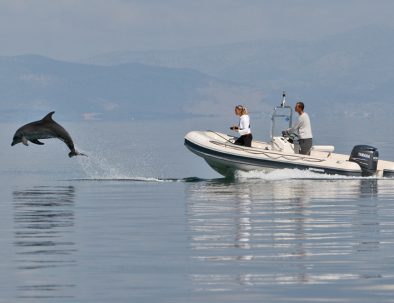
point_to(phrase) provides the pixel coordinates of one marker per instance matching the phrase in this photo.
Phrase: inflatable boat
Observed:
(220, 152)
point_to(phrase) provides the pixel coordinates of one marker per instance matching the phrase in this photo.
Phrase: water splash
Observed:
(98, 168)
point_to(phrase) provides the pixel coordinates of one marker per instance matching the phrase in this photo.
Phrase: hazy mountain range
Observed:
(352, 72)
(356, 66)
(32, 85)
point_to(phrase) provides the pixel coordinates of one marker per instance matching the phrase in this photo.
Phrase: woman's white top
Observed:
(244, 125)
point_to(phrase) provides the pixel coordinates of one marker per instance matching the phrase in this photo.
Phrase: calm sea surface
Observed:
(144, 220)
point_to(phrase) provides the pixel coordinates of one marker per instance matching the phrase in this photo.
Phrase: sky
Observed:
(73, 30)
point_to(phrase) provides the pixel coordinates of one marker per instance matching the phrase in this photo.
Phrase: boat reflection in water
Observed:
(44, 224)
(256, 232)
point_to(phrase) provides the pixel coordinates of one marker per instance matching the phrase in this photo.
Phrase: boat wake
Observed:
(141, 179)
(291, 174)
(97, 168)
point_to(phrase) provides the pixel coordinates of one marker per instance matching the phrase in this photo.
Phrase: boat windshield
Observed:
(281, 119)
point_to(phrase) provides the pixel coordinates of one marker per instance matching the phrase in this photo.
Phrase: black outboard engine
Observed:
(367, 157)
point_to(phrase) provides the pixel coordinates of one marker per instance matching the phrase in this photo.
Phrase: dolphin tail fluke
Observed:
(75, 153)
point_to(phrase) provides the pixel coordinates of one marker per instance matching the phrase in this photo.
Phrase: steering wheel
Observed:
(290, 136)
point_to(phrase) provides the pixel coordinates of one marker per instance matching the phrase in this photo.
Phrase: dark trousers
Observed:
(245, 140)
(305, 146)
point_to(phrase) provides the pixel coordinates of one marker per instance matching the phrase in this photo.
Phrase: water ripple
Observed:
(44, 222)
(290, 232)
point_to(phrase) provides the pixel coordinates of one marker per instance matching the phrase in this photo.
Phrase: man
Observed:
(303, 127)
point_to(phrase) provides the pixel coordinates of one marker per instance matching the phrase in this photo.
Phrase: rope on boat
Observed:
(219, 135)
(255, 151)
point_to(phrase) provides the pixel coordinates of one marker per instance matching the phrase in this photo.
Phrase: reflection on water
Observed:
(289, 232)
(44, 224)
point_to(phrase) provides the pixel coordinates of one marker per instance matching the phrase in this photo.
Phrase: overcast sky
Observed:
(72, 29)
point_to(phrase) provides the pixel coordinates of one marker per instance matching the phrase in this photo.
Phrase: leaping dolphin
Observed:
(46, 128)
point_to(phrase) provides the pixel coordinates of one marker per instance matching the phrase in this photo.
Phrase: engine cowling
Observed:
(366, 157)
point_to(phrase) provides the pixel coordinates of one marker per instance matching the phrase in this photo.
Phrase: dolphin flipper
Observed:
(24, 141)
(35, 141)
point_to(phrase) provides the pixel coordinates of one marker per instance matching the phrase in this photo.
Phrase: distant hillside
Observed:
(31, 85)
(357, 66)
(349, 74)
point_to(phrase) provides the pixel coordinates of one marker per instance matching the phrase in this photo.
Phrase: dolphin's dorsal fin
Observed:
(48, 117)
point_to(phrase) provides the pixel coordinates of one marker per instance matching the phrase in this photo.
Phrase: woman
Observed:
(243, 127)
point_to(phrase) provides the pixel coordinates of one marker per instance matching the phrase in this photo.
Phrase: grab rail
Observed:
(256, 151)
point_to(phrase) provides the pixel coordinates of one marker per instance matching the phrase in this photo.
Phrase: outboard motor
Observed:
(367, 157)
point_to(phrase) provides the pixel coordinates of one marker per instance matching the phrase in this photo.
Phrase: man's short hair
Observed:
(301, 105)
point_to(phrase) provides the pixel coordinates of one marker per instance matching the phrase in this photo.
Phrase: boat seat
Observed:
(323, 148)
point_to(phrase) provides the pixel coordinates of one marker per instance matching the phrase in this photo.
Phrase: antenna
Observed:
(284, 99)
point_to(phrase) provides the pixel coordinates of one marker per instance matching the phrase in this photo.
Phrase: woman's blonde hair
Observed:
(243, 109)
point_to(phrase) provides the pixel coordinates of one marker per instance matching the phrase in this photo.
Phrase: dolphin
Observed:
(46, 128)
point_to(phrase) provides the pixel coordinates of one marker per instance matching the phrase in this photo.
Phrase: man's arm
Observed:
(297, 126)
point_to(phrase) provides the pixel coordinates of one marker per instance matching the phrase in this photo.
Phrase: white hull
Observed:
(218, 150)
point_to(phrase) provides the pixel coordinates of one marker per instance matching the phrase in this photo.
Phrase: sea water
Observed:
(144, 220)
